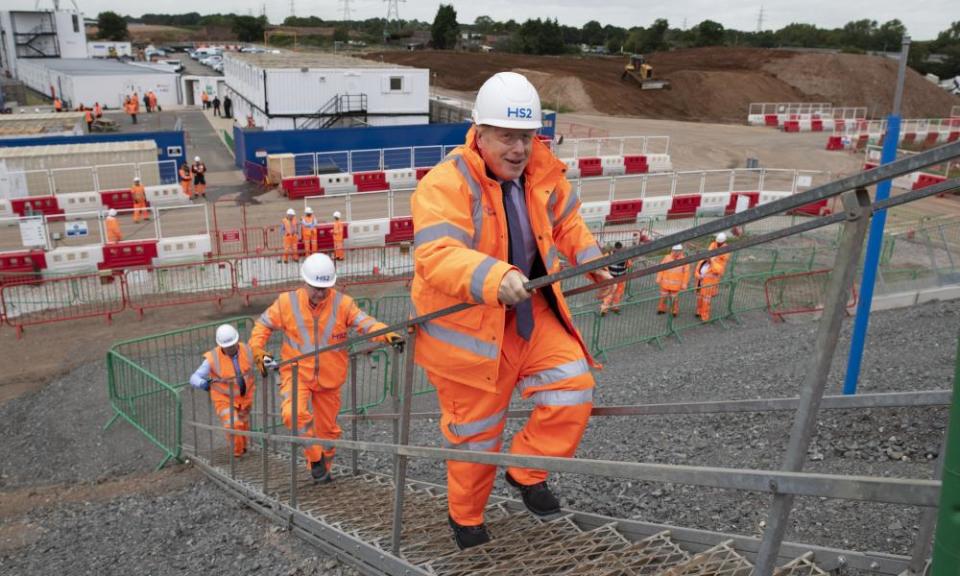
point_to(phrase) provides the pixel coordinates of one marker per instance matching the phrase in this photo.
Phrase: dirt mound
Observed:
(708, 84)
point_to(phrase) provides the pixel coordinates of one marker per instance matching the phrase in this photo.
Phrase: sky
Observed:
(923, 20)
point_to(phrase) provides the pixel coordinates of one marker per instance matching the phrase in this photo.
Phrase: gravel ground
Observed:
(54, 438)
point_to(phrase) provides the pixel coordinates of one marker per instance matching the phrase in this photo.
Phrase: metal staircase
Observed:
(38, 42)
(338, 108)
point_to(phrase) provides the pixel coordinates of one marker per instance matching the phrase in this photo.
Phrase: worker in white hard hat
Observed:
(312, 317)
(610, 302)
(227, 374)
(708, 274)
(338, 233)
(199, 171)
(309, 231)
(290, 229)
(139, 195)
(672, 282)
(497, 212)
(112, 226)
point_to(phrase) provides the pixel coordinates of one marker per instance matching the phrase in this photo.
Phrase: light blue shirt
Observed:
(200, 377)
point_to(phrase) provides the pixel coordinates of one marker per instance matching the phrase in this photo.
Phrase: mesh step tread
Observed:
(652, 555)
(802, 566)
(721, 560)
(432, 541)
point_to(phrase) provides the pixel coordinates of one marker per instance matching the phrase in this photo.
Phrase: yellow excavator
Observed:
(640, 72)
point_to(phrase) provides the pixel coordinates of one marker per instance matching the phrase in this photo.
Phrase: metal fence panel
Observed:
(161, 286)
(60, 299)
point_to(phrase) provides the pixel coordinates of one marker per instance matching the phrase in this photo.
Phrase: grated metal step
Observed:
(802, 566)
(721, 560)
(651, 555)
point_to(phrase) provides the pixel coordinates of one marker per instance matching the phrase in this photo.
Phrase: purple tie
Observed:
(524, 310)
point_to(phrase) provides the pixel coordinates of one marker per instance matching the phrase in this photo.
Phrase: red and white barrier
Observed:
(339, 183)
(74, 202)
(367, 233)
(6, 209)
(166, 195)
(402, 177)
(182, 249)
(656, 206)
(595, 211)
(74, 259)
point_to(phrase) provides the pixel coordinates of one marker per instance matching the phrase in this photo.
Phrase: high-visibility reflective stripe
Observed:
(551, 258)
(265, 320)
(477, 426)
(216, 363)
(304, 429)
(481, 446)
(618, 269)
(225, 413)
(307, 345)
(331, 320)
(475, 202)
(359, 319)
(563, 397)
(572, 202)
(458, 339)
(588, 253)
(479, 277)
(551, 204)
(441, 230)
(555, 374)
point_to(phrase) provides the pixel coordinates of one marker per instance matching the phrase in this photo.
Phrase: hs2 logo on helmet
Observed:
(519, 113)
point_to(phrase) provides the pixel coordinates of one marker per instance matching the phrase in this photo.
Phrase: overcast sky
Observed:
(923, 18)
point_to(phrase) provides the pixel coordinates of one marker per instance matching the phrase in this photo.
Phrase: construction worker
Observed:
(139, 194)
(229, 365)
(311, 317)
(57, 105)
(97, 111)
(290, 229)
(152, 98)
(199, 170)
(672, 281)
(496, 212)
(130, 106)
(611, 301)
(146, 102)
(88, 118)
(337, 236)
(112, 226)
(708, 273)
(205, 99)
(308, 228)
(186, 177)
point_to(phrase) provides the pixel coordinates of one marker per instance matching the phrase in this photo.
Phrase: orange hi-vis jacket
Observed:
(461, 255)
(113, 229)
(710, 275)
(185, 174)
(306, 329)
(309, 226)
(290, 226)
(337, 232)
(674, 279)
(222, 374)
(139, 194)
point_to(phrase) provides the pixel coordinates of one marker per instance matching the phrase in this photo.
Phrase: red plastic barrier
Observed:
(684, 205)
(325, 235)
(924, 180)
(302, 186)
(791, 126)
(953, 137)
(624, 210)
(732, 204)
(370, 181)
(813, 209)
(869, 166)
(401, 230)
(636, 164)
(770, 120)
(21, 266)
(932, 138)
(117, 199)
(421, 172)
(835, 143)
(128, 254)
(816, 125)
(909, 137)
(862, 141)
(839, 124)
(36, 205)
(590, 167)
(953, 122)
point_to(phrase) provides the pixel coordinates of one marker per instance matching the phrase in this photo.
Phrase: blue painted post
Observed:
(875, 241)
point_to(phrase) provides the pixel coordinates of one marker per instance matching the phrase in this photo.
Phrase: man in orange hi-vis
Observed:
(139, 194)
(308, 228)
(709, 272)
(611, 301)
(290, 229)
(337, 236)
(672, 281)
(497, 211)
(229, 365)
(112, 226)
(312, 317)
(186, 177)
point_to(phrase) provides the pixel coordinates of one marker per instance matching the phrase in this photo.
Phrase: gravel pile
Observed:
(55, 437)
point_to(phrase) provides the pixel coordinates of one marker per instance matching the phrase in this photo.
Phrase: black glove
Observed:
(396, 341)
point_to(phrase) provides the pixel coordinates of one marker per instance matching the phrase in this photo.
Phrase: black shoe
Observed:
(660, 312)
(319, 471)
(537, 498)
(469, 536)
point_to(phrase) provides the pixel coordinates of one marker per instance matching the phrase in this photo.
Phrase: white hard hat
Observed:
(308, 210)
(508, 100)
(136, 179)
(318, 271)
(227, 335)
(678, 247)
(196, 158)
(721, 238)
(336, 214)
(112, 212)
(291, 212)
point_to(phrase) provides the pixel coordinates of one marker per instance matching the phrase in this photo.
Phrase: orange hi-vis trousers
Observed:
(290, 242)
(320, 423)
(310, 243)
(241, 416)
(672, 296)
(140, 211)
(551, 370)
(613, 298)
(707, 288)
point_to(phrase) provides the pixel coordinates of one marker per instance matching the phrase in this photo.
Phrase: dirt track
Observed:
(708, 84)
